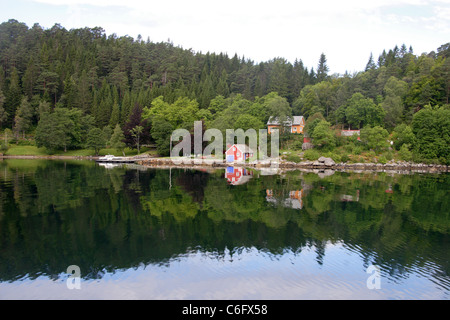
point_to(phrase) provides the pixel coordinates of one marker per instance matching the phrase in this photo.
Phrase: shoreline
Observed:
(321, 164)
(49, 157)
(310, 165)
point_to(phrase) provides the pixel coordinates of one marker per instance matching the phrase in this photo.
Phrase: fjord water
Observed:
(139, 233)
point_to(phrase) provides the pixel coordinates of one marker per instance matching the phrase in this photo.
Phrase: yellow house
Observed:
(294, 124)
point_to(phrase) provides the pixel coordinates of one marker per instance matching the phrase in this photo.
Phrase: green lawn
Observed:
(17, 150)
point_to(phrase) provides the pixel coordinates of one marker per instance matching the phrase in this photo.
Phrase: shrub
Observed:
(298, 143)
(389, 156)
(345, 158)
(311, 155)
(21, 142)
(336, 157)
(403, 134)
(375, 138)
(324, 136)
(293, 158)
(382, 159)
(3, 147)
(357, 150)
(404, 153)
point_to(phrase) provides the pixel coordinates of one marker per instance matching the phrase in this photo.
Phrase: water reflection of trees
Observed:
(53, 214)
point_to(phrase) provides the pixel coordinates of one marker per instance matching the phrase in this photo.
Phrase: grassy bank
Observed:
(21, 150)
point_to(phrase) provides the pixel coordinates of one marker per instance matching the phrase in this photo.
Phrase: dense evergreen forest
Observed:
(81, 87)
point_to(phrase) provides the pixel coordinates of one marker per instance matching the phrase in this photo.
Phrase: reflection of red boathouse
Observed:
(237, 176)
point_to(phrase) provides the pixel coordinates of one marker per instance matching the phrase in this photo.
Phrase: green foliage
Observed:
(96, 140)
(3, 147)
(403, 134)
(431, 126)
(311, 155)
(106, 77)
(63, 129)
(404, 153)
(293, 158)
(382, 159)
(136, 133)
(117, 139)
(394, 91)
(324, 136)
(362, 111)
(375, 138)
(180, 114)
(246, 121)
(161, 131)
(333, 155)
(312, 122)
(23, 118)
(345, 158)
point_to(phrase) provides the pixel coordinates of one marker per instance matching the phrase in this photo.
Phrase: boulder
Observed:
(326, 161)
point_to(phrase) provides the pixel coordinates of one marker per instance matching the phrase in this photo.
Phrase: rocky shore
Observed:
(320, 164)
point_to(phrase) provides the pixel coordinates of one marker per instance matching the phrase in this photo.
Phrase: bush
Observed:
(311, 155)
(21, 142)
(404, 153)
(324, 136)
(357, 150)
(4, 147)
(375, 138)
(371, 154)
(298, 142)
(336, 157)
(293, 158)
(345, 158)
(382, 159)
(389, 156)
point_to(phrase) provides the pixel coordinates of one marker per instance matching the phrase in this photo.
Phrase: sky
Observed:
(346, 31)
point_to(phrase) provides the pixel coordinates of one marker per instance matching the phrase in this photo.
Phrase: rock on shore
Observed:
(321, 163)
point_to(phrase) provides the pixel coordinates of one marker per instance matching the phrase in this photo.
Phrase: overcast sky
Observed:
(347, 31)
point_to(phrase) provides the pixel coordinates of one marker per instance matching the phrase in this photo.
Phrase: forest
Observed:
(81, 88)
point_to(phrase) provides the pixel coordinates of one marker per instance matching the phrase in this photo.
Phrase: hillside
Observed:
(105, 81)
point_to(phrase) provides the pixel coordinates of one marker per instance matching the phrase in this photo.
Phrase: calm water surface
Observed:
(226, 234)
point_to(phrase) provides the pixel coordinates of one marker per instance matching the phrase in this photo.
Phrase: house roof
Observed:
(297, 120)
(290, 121)
(349, 133)
(273, 121)
(243, 148)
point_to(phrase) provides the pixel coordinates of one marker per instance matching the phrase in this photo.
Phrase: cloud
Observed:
(346, 31)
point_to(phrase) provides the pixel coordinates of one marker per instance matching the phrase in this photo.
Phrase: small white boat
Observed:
(107, 157)
(111, 158)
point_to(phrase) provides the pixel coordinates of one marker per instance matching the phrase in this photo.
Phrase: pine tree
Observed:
(3, 114)
(96, 140)
(322, 68)
(222, 87)
(115, 115)
(13, 97)
(370, 64)
(126, 108)
(117, 139)
(24, 115)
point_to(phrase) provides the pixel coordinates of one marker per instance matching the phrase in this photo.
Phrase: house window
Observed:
(294, 129)
(238, 154)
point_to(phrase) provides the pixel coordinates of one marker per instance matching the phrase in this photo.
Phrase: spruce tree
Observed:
(322, 68)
